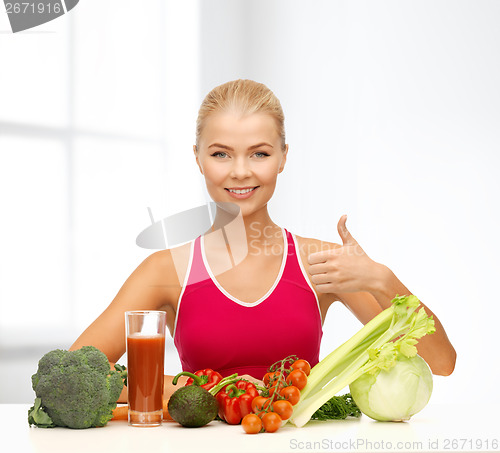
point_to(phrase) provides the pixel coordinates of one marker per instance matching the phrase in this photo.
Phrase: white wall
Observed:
(392, 117)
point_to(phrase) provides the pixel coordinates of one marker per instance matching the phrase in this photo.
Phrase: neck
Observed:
(257, 226)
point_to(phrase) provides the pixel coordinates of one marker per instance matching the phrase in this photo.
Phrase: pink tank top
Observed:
(216, 330)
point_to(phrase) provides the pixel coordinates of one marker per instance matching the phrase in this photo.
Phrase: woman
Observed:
(271, 303)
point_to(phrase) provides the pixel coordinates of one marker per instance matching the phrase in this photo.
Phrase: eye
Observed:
(261, 154)
(220, 154)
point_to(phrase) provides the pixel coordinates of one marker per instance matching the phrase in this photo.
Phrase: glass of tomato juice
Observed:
(145, 361)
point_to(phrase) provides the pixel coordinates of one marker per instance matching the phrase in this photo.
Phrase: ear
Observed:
(195, 150)
(283, 159)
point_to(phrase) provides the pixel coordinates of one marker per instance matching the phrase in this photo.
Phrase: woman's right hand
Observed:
(252, 379)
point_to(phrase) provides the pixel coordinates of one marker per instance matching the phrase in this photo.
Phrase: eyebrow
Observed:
(219, 145)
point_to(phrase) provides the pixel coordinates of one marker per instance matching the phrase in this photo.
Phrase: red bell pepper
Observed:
(209, 378)
(235, 401)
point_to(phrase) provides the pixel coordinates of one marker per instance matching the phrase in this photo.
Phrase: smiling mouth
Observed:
(243, 190)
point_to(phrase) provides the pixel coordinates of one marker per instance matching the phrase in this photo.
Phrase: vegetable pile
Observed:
(388, 381)
(76, 389)
(256, 408)
(239, 400)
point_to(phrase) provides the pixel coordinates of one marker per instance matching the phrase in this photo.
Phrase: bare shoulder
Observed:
(160, 276)
(169, 265)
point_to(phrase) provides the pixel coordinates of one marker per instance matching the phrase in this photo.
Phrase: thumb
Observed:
(344, 234)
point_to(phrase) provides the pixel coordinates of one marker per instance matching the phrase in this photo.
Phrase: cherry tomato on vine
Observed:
(297, 378)
(259, 403)
(251, 423)
(283, 408)
(291, 393)
(303, 365)
(271, 421)
(275, 388)
(271, 377)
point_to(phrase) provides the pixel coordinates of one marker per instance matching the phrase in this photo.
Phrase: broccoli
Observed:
(76, 389)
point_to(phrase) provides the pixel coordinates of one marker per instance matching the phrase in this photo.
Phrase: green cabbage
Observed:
(395, 394)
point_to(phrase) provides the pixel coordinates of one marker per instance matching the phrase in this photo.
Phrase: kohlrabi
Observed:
(376, 346)
(395, 394)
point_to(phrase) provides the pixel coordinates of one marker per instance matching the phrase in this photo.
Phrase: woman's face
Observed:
(240, 158)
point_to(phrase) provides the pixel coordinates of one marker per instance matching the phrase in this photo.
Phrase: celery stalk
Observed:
(375, 346)
(340, 358)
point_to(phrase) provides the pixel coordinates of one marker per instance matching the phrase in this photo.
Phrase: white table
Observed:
(436, 428)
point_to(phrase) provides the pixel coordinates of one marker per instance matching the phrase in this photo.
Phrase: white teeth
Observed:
(240, 191)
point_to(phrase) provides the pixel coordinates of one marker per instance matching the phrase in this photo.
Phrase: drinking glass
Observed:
(145, 362)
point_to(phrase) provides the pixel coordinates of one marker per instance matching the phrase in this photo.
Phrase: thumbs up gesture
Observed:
(342, 269)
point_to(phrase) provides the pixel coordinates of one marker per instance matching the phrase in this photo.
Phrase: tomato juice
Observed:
(145, 360)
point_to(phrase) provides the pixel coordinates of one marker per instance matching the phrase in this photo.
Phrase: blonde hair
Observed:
(243, 96)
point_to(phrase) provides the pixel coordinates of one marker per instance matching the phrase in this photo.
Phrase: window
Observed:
(97, 122)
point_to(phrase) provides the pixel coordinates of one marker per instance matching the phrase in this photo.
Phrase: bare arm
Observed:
(436, 349)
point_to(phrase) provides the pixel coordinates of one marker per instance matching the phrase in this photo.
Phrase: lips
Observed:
(241, 192)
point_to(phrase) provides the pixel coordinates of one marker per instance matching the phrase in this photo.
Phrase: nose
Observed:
(240, 169)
